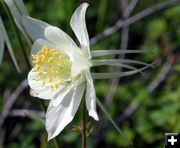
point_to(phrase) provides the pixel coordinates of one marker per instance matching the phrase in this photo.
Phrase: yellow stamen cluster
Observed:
(52, 66)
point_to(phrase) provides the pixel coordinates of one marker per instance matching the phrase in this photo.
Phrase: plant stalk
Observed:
(56, 143)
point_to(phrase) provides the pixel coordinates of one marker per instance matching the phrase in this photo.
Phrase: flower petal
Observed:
(78, 25)
(79, 63)
(118, 74)
(95, 62)
(112, 63)
(97, 53)
(60, 116)
(58, 98)
(34, 27)
(60, 38)
(44, 93)
(91, 97)
(40, 91)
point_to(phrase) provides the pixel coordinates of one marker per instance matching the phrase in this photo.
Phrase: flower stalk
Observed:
(56, 143)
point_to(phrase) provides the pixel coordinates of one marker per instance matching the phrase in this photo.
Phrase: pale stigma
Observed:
(52, 66)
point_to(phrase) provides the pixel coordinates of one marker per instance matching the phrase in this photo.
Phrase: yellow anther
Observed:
(49, 80)
(52, 66)
(36, 79)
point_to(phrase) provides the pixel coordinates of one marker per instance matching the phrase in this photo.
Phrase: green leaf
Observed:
(6, 39)
(1, 40)
(17, 9)
(21, 7)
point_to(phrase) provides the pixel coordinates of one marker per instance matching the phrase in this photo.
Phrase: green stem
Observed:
(84, 125)
(16, 31)
(56, 143)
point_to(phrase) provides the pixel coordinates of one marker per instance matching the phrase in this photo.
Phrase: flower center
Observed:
(52, 66)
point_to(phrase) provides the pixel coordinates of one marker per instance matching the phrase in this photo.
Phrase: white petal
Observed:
(60, 116)
(34, 27)
(38, 44)
(118, 74)
(40, 91)
(1, 40)
(60, 39)
(78, 25)
(79, 63)
(58, 98)
(45, 93)
(111, 63)
(94, 62)
(91, 97)
(67, 45)
(97, 53)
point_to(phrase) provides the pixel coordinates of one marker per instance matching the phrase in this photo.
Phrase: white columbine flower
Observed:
(61, 69)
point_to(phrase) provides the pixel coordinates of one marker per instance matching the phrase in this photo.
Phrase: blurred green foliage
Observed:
(158, 112)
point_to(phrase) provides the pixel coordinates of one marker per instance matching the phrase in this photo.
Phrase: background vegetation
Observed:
(143, 106)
